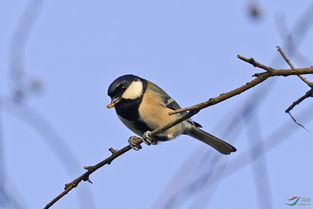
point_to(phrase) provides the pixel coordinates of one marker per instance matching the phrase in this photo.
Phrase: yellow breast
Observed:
(155, 113)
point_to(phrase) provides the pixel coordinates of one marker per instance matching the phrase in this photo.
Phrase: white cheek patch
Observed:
(134, 90)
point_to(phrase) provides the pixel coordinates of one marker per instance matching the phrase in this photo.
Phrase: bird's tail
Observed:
(220, 145)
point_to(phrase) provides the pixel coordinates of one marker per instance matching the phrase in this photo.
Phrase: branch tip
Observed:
(296, 122)
(112, 150)
(88, 168)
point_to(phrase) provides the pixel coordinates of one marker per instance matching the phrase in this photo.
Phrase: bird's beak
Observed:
(114, 101)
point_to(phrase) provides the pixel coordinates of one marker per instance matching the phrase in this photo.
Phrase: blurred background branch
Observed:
(22, 86)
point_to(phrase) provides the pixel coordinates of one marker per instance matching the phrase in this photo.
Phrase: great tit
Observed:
(143, 106)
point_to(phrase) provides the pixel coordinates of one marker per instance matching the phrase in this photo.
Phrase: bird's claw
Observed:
(147, 139)
(133, 144)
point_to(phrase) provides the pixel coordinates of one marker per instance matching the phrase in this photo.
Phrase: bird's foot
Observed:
(133, 143)
(147, 139)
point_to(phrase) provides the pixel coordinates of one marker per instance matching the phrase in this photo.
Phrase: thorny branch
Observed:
(260, 77)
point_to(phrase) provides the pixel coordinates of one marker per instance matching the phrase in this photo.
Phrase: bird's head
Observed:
(126, 87)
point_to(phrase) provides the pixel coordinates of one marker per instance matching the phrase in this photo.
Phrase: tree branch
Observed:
(260, 77)
(90, 170)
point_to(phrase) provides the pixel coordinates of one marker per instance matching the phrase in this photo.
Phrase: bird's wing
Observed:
(169, 101)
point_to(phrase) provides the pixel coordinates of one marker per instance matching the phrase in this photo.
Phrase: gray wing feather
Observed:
(220, 145)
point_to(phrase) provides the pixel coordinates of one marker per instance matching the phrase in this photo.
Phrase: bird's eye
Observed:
(123, 87)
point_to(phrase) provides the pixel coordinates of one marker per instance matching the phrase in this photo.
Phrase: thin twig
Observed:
(255, 63)
(298, 101)
(310, 84)
(282, 53)
(296, 122)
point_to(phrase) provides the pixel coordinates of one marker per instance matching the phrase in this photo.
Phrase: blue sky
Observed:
(77, 48)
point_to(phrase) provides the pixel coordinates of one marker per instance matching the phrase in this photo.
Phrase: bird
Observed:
(143, 107)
